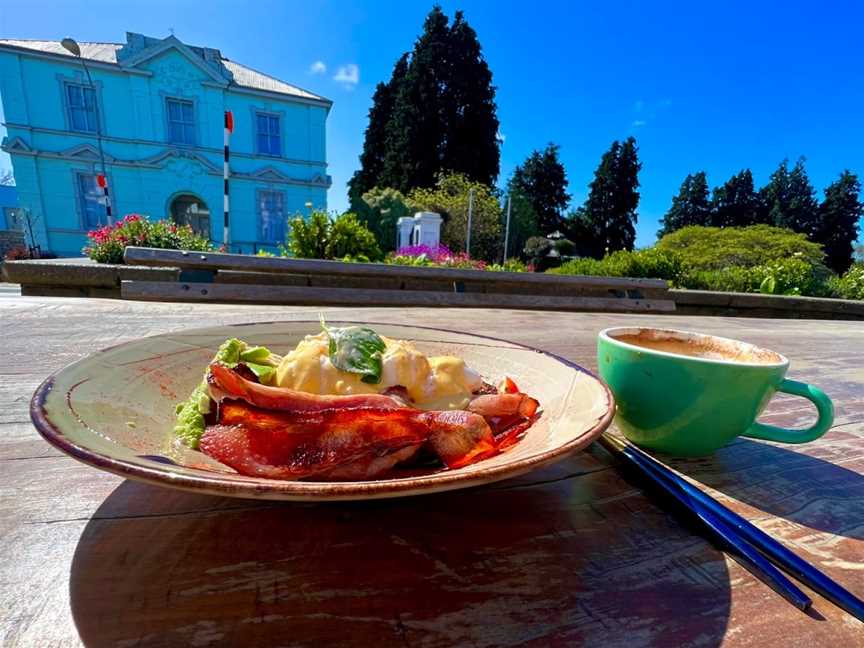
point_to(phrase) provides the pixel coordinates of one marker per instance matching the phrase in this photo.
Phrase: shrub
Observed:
(716, 248)
(510, 265)
(379, 209)
(650, 263)
(17, 253)
(107, 243)
(434, 253)
(851, 284)
(319, 237)
(436, 260)
(788, 277)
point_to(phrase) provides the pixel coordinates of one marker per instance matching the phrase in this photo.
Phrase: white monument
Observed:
(424, 228)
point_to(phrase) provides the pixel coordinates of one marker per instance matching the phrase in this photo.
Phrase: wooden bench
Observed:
(236, 278)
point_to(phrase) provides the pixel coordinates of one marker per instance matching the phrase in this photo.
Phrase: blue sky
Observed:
(702, 85)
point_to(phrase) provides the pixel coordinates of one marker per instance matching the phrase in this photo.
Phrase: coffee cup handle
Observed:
(824, 407)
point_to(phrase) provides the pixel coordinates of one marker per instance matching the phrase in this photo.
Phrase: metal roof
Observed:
(107, 53)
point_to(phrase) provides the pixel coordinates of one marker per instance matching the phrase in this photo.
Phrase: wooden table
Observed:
(569, 555)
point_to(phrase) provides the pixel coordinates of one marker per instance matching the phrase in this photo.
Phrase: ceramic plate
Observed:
(114, 410)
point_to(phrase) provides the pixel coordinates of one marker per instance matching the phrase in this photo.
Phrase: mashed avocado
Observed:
(190, 413)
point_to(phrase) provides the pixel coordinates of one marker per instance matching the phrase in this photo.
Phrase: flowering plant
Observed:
(439, 256)
(107, 243)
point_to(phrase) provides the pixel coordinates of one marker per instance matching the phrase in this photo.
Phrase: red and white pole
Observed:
(102, 181)
(229, 128)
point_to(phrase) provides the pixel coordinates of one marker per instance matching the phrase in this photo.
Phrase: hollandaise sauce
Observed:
(432, 383)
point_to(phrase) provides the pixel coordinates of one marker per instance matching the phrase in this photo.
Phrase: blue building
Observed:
(159, 105)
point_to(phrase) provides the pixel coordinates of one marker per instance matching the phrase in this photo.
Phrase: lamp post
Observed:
(71, 46)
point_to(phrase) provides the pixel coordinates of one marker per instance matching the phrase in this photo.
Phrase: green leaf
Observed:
(356, 349)
(768, 285)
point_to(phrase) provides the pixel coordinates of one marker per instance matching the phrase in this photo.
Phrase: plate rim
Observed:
(241, 486)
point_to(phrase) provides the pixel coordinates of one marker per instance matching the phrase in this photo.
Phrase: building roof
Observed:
(107, 53)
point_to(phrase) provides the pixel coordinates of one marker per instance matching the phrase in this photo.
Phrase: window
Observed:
(271, 212)
(181, 121)
(91, 200)
(81, 102)
(269, 135)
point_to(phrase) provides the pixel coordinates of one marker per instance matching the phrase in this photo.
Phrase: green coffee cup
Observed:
(689, 394)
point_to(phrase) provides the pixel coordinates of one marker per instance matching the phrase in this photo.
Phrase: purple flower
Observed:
(435, 253)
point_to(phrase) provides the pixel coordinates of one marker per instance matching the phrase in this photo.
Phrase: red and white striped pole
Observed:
(229, 128)
(102, 181)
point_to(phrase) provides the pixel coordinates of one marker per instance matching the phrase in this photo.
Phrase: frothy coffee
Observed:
(702, 347)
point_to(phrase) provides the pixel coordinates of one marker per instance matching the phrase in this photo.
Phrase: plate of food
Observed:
(314, 410)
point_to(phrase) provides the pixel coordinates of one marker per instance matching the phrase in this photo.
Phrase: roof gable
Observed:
(155, 48)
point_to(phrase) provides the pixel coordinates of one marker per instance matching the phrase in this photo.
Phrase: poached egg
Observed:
(433, 383)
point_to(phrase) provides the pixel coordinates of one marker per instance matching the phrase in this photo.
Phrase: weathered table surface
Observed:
(569, 555)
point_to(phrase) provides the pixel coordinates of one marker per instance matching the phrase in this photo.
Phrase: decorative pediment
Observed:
(16, 145)
(270, 173)
(139, 49)
(160, 159)
(86, 152)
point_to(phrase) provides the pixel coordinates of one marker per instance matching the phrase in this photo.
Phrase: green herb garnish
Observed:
(356, 349)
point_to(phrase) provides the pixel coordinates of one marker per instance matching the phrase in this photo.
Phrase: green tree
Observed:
(542, 180)
(380, 209)
(790, 200)
(372, 157)
(443, 116)
(320, 237)
(837, 227)
(608, 217)
(471, 141)
(690, 206)
(735, 203)
(523, 223)
(449, 198)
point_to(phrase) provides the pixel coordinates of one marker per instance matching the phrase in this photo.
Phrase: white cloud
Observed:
(318, 67)
(348, 75)
(639, 122)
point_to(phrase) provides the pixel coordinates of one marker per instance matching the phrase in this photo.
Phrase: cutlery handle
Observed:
(824, 407)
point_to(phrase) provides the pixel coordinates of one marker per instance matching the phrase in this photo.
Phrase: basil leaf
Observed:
(356, 349)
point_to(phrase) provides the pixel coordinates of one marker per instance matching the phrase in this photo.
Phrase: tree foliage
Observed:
(380, 209)
(837, 227)
(735, 203)
(608, 218)
(320, 237)
(690, 207)
(542, 180)
(374, 143)
(523, 223)
(449, 198)
(790, 200)
(436, 114)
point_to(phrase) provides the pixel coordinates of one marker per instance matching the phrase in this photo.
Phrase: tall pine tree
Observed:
(735, 204)
(442, 117)
(790, 199)
(471, 141)
(542, 180)
(839, 214)
(689, 207)
(609, 213)
(372, 157)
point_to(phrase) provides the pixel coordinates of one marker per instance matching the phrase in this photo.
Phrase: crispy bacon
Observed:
(285, 434)
(503, 405)
(291, 445)
(225, 382)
